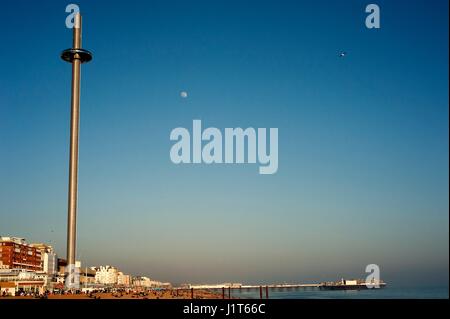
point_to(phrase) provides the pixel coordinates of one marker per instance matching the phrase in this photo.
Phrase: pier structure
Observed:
(264, 289)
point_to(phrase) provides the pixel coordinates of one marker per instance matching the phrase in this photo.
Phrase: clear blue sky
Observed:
(363, 141)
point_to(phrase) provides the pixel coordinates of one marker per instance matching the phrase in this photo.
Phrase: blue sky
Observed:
(363, 141)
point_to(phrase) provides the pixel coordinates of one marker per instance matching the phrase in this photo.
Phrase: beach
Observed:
(153, 294)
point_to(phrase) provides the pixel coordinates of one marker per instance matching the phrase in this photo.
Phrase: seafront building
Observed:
(109, 275)
(106, 275)
(16, 280)
(87, 277)
(15, 253)
(123, 280)
(25, 267)
(48, 262)
(36, 268)
(145, 282)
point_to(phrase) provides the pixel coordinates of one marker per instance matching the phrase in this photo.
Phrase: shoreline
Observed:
(153, 294)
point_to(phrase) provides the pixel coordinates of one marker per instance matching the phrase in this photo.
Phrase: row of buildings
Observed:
(35, 267)
(110, 275)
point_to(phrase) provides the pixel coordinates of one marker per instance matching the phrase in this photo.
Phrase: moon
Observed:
(183, 94)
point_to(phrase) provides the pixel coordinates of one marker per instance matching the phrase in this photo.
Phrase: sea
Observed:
(383, 293)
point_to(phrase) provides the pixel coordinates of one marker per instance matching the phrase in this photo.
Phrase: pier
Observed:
(226, 290)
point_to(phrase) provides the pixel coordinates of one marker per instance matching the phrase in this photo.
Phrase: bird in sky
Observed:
(343, 54)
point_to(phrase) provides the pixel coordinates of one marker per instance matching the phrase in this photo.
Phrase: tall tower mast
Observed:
(76, 56)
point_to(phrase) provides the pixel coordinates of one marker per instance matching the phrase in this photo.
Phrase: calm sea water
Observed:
(385, 293)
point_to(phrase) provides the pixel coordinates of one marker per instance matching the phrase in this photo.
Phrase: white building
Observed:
(16, 240)
(49, 266)
(142, 282)
(13, 280)
(146, 282)
(48, 262)
(123, 279)
(106, 275)
(48, 258)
